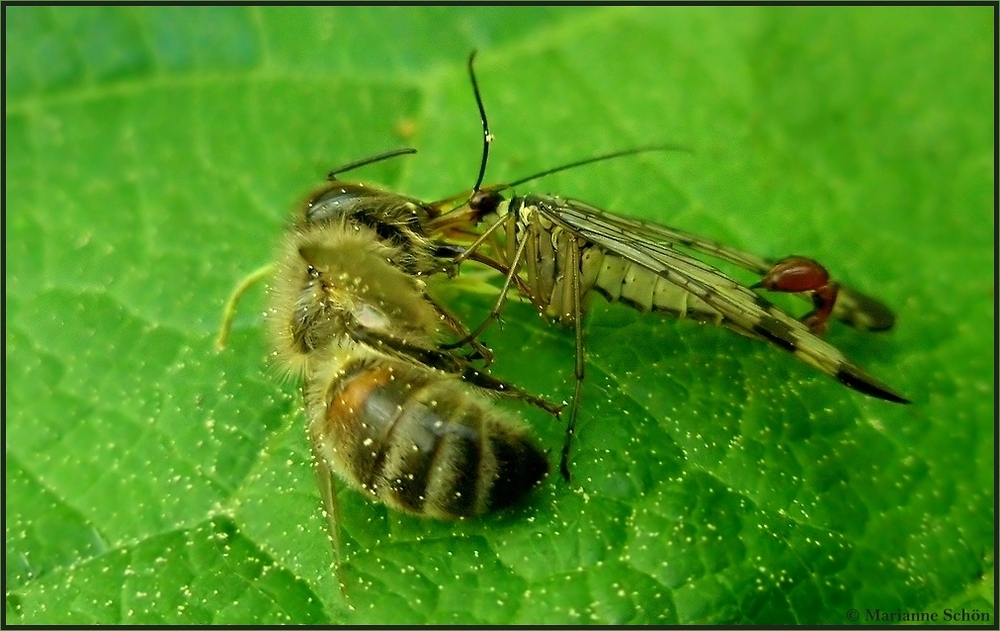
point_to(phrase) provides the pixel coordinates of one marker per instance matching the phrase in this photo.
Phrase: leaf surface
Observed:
(152, 159)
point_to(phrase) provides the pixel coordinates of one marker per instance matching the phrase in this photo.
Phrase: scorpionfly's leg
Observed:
(501, 299)
(479, 350)
(580, 367)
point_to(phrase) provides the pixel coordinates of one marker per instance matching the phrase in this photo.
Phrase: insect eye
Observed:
(330, 204)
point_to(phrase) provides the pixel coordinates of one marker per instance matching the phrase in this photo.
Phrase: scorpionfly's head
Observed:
(485, 202)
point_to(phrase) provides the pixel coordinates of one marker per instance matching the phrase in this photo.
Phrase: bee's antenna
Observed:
(350, 166)
(487, 137)
(600, 158)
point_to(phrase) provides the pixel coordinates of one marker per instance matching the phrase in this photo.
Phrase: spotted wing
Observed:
(853, 307)
(649, 246)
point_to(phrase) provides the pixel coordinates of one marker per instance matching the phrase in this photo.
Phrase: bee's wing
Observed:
(647, 245)
(852, 307)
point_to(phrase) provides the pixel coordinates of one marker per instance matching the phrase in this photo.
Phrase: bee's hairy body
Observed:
(334, 277)
(355, 327)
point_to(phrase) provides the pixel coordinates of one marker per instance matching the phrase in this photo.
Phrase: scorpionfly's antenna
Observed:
(487, 137)
(600, 158)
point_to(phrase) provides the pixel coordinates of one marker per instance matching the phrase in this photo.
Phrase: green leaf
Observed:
(153, 156)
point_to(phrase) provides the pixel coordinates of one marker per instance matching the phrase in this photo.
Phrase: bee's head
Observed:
(356, 204)
(340, 201)
(397, 221)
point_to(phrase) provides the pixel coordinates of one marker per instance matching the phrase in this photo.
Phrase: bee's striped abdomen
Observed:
(418, 442)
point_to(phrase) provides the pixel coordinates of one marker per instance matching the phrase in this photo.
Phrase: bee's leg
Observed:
(331, 508)
(579, 369)
(449, 363)
(229, 310)
(487, 381)
(433, 357)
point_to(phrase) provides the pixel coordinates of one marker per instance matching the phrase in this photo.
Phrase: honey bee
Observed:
(395, 415)
(389, 411)
(559, 252)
